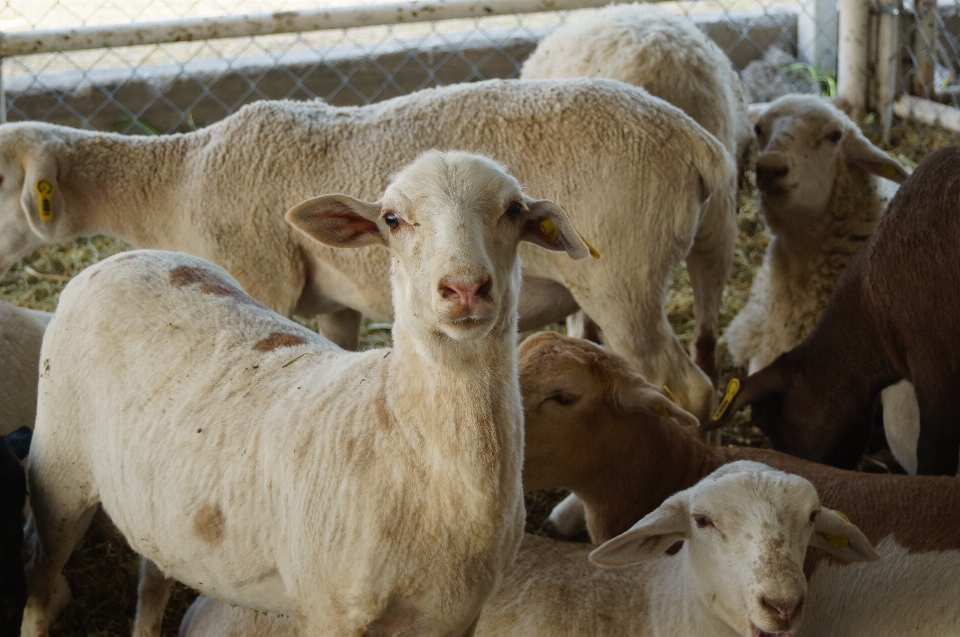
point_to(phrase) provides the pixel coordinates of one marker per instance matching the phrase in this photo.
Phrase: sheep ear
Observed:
(645, 398)
(766, 383)
(756, 110)
(860, 152)
(41, 199)
(547, 225)
(833, 533)
(650, 537)
(339, 221)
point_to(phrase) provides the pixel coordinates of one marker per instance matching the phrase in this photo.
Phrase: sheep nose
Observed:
(785, 609)
(771, 168)
(467, 291)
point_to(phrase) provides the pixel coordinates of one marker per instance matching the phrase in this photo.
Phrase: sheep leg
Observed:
(342, 327)
(709, 263)
(579, 325)
(543, 301)
(153, 593)
(938, 448)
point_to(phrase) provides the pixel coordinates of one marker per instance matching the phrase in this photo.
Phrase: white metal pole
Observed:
(817, 34)
(888, 61)
(109, 36)
(924, 41)
(852, 63)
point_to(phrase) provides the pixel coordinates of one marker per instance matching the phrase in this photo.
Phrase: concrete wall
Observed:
(210, 90)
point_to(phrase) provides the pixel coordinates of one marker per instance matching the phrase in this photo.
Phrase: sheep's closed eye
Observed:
(514, 210)
(758, 130)
(702, 521)
(563, 398)
(834, 136)
(813, 516)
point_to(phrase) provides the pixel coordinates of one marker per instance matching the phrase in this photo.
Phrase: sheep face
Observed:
(575, 392)
(452, 222)
(805, 142)
(30, 199)
(746, 528)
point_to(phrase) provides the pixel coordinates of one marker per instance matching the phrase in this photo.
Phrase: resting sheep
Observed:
(21, 332)
(633, 172)
(13, 497)
(672, 59)
(745, 530)
(889, 319)
(307, 478)
(590, 426)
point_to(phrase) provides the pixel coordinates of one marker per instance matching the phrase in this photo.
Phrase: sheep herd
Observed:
(305, 489)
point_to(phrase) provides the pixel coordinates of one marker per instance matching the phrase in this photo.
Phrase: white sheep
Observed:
(21, 332)
(671, 58)
(631, 170)
(821, 198)
(745, 530)
(367, 493)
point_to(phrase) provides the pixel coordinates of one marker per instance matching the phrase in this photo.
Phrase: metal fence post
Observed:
(817, 34)
(852, 72)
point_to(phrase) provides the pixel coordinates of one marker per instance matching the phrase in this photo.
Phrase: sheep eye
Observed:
(758, 130)
(813, 516)
(563, 398)
(835, 136)
(392, 220)
(702, 521)
(514, 210)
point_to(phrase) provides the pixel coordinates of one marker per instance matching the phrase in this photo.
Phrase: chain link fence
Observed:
(178, 86)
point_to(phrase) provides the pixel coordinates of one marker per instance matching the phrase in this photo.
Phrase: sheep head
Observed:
(452, 222)
(746, 528)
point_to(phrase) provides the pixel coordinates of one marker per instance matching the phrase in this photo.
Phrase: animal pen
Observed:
(163, 66)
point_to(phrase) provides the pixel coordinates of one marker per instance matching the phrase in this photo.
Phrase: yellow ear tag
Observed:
(838, 541)
(888, 171)
(732, 388)
(669, 394)
(548, 228)
(593, 251)
(44, 199)
(660, 409)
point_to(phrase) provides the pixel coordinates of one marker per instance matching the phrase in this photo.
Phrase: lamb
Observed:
(752, 576)
(306, 478)
(671, 58)
(21, 332)
(591, 426)
(13, 496)
(632, 170)
(885, 322)
(821, 202)
(821, 198)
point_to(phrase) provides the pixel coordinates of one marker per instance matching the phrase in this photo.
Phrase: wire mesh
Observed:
(180, 86)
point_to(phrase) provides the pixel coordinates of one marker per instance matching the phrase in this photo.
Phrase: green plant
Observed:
(826, 82)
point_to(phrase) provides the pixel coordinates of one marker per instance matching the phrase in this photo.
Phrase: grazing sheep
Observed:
(633, 171)
(335, 485)
(21, 332)
(888, 319)
(744, 532)
(821, 202)
(675, 61)
(13, 497)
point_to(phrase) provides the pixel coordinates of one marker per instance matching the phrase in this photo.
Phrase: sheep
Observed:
(632, 170)
(886, 321)
(307, 480)
(821, 201)
(821, 197)
(672, 59)
(744, 531)
(21, 332)
(13, 496)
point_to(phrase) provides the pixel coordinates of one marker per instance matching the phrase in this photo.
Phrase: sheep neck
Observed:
(120, 185)
(662, 460)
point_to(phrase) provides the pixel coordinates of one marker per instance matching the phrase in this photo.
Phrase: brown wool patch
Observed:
(275, 340)
(210, 524)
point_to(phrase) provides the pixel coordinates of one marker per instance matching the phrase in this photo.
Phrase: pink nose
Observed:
(785, 609)
(467, 292)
